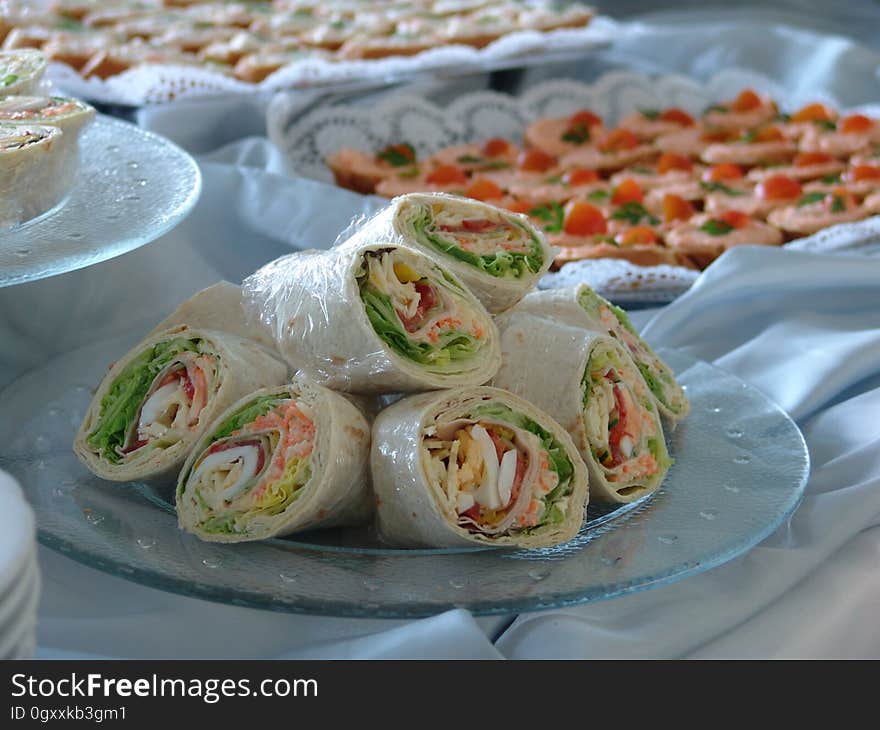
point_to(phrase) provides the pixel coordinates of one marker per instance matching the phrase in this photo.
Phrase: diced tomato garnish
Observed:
(779, 187)
(619, 139)
(863, 172)
(519, 206)
(628, 191)
(188, 387)
(855, 124)
(724, 171)
(678, 116)
(584, 118)
(446, 175)
(805, 159)
(719, 135)
(671, 161)
(427, 299)
(484, 189)
(746, 101)
(769, 134)
(536, 160)
(584, 219)
(496, 147)
(642, 235)
(735, 218)
(813, 113)
(676, 208)
(580, 176)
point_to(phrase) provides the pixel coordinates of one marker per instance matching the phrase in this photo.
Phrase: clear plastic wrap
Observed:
(415, 504)
(581, 306)
(133, 430)
(373, 318)
(591, 385)
(36, 172)
(289, 459)
(498, 255)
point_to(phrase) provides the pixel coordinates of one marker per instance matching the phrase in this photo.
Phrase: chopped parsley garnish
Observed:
(826, 124)
(713, 186)
(838, 204)
(633, 212)
(783, 117)
(553, 180)
(715, 227)
(398, 155)
(831, 179)
(597, 196)
(553, 216)
(578, 134)
(811, 198)
(716, 108)
(651, 114)
(482, 162)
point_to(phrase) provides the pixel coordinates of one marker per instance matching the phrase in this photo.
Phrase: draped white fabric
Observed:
(803, 328)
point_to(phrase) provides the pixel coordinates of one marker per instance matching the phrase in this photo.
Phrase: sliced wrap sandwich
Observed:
(374, 318)
(21, 71)
(278, 461)
(593, 388)
(580, 306)
(156, 400)
(218, 307)
(35, 174)
(475, 466)
(497, 254)
(71, 116)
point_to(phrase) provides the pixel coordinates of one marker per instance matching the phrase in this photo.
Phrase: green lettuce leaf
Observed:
(120, 406)
(501, 264)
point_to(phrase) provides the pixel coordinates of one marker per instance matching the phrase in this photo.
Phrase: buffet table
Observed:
(802, 328)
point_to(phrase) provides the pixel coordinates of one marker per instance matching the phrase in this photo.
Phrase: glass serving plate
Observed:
(740, 469)
(133, 186)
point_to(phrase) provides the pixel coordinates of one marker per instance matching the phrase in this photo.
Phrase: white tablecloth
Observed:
(805, 329)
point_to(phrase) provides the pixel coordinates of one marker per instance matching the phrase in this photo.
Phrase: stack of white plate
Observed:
(19, 573)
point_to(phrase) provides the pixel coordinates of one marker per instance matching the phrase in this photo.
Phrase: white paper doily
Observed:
(307, 139)
(159, 84)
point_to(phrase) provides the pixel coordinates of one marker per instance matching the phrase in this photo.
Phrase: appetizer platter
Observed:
(651, 172)
(149, 51)
(57, 210)
(375, 430)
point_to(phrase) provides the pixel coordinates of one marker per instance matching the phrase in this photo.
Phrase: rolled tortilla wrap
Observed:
(475, 466)
(35, 174)
(218, 307)
(497, 254)
(21, 71)
(580, 306)
(278, 461)
(156, 401)
(71, 116)
(374, 318)
(593, 388)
